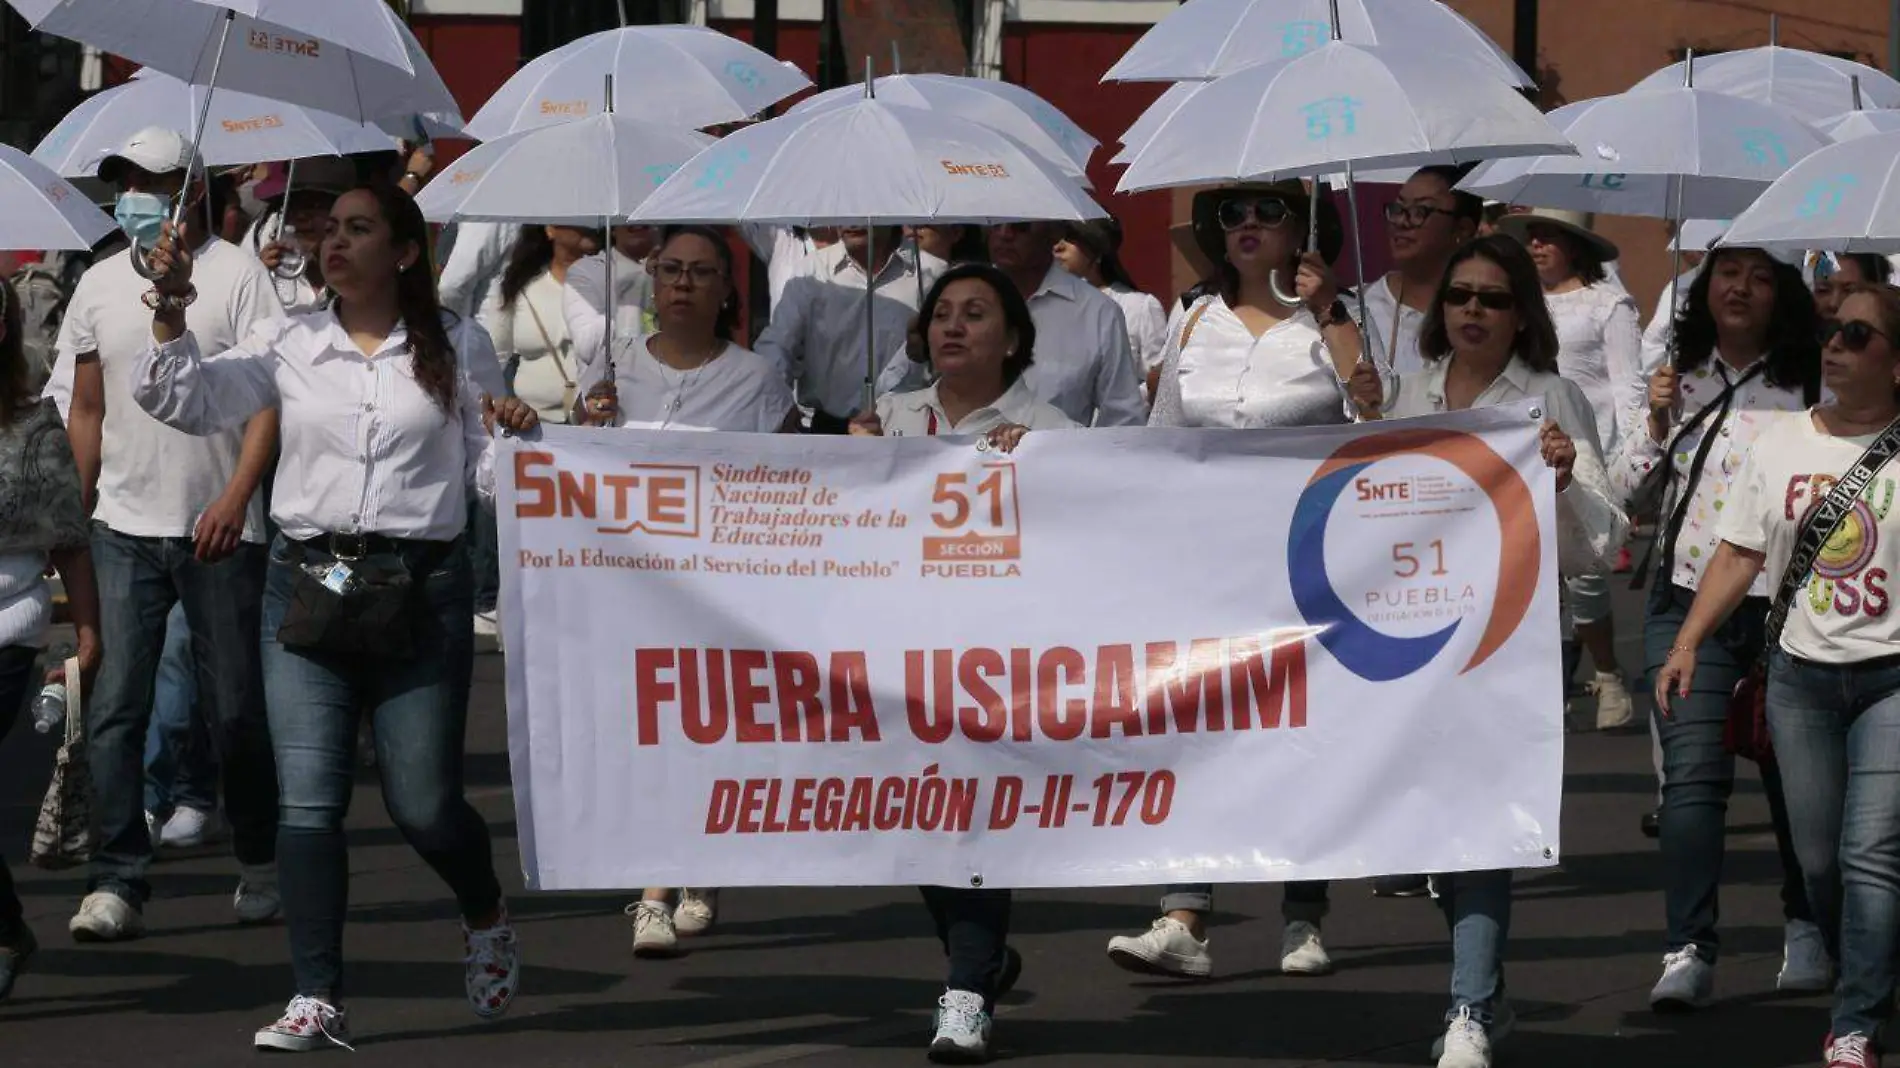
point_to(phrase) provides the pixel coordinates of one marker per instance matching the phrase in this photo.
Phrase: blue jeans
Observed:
(1477, 906)
(1299, 903)
(1699, 774)
(1836, 730)
(16, 682)
(419, 709)
(181, 765)
(142, 579)
(484, 556)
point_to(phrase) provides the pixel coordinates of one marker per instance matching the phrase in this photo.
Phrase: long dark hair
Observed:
(534, 251)
(1015, 316)
(432, 354)
(1536, 342)
(728, 321)
(1794, 325)
(13, 370)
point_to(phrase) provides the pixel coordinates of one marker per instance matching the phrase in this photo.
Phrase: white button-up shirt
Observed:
(817, 333)
(1224, 376)
(920, 413)
(1600, 339)
(365, 449)
(1392, 329)
(1591, 524)
(737, 390)
(1083, 362)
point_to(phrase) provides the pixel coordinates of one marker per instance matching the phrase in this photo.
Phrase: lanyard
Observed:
(930, 427)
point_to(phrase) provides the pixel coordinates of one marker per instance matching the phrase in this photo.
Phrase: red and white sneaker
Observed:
(1852, 1051)
(307, 1024)
(490, 967)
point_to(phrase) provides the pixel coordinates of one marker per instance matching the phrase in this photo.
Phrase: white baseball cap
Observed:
(155, 150)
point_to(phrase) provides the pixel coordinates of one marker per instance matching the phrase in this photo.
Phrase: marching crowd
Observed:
(261, 463)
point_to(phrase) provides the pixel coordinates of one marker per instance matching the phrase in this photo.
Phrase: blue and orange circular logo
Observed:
(1365, 651)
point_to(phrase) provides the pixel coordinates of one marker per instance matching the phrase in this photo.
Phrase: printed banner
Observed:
(1115, 657)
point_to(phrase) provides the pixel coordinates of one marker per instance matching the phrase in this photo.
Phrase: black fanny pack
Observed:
(358, 595)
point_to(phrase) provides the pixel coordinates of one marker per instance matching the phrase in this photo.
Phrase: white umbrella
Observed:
(1205, 39)
(867, 164)
(1142, 130)
(1671, 153)
(41, 210)
(608, 165)
(1340, 105)
(1009, 108)
(240, 128)
(686, 76)
(1860, 124)
(1812, 85)
(1843, 198)
(355, 58)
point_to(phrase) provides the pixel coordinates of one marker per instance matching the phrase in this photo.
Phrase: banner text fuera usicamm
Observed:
(1114, 657)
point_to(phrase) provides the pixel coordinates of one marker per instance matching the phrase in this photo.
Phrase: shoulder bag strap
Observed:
(1823, 522)
(1672, 530)
(1194, 319)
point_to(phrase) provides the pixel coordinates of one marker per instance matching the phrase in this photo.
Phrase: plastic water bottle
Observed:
(49, 708)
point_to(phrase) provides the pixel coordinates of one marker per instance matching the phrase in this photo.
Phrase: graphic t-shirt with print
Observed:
(1843, 613)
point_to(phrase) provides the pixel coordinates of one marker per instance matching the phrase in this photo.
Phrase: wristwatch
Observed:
(1337, 315)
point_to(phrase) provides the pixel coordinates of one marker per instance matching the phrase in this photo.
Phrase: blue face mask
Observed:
(141, 216)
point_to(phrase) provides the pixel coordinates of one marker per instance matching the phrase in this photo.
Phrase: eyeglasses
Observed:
(1490, 299)
(1267, 211)
(1855, 335)
(1399, 213)
(673, 272)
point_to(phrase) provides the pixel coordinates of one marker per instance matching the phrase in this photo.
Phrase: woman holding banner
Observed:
(1488, 339)
(1238, 358)
(369, 596)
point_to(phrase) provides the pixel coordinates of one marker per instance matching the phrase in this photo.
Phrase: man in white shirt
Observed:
(818, 335)
(1083, 363)
(1424, 226)
(584, 298)
(175, 518)
(477, 253)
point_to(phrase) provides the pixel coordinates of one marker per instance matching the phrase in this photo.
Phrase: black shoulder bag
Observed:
(1746, 733)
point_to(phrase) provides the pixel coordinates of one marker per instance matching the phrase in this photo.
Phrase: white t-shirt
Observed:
(738, 390)
(534, 332)
(154, 481)
(1844, 612)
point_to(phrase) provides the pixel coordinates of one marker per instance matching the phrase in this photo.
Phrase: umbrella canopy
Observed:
(1206, 39)
(1378, 108)
(1860, 124)
(867, 163)
(1010, 108)
(1143, 129)
(1812, 85)
(241, 128)
(351, 57)
(686, 76)
(1843, 198)
(609, 165)
(1670, 153)
(40, 210)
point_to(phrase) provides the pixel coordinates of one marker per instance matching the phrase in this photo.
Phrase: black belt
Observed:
(357, 546)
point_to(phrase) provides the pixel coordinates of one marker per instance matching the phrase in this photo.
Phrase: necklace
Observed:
(687, 379)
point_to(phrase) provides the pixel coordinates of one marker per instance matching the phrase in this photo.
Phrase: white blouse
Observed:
(1147, 326)
(534, 332)
(1600, 346)
(737, 390)
(1225, 377)
(1591, 523)
(920, 413)
(365, 449)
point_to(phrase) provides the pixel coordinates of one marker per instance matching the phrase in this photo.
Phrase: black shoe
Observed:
(1402, 886)
(1652, 823)
(1012, 971)
(14, 958)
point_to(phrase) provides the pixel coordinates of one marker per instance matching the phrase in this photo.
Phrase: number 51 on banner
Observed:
(978, 524)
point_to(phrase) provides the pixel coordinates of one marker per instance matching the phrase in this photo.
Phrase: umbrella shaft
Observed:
(204, 116)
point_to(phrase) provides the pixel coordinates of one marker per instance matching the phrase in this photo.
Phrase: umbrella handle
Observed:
(1285, 296)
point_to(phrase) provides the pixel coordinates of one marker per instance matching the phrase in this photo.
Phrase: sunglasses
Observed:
(1232, 214)
(1399, 213)
(1854, 334)
(1491, 299)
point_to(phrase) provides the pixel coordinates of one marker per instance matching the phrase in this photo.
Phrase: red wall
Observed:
(474, 56)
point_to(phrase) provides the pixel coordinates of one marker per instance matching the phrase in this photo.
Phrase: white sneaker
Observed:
(487, 625)
(106, 917)
(256, 899)
(1302, 952)
(1166, 948)
(653, 934)
(1805, 966)
(695, 913)
(962, 1029)
(1503, 1022)
(307, 1024)
(1465, 1044)
(491, 966)
(1615, 710)
(1688, 982)
(189, 829)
